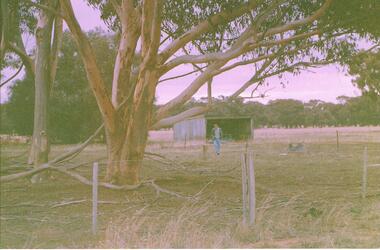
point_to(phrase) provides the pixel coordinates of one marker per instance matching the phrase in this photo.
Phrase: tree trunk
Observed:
(40, 142)
(126, 147)
(125, 156)
(3, 29)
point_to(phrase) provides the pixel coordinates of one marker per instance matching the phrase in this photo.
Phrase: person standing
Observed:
(216, 137)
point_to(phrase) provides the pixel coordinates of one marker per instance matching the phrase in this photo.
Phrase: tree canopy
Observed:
(365, 67)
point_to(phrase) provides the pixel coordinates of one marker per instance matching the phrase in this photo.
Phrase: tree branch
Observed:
(179, 76)
(213, 68)
(122, 84)
(116, 7)
(301, 22)
(220, 55)
(169, 121)
(56, 46)
(93, 72)
(256, 78)
(231, 53)
(46, 8)
(78, 148)
(85, 181)
(13, 76)
(203, 27)
(27, 61)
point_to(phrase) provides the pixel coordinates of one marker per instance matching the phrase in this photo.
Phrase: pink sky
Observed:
(324, 83)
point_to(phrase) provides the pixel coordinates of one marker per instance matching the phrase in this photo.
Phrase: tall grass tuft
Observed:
(183, 229)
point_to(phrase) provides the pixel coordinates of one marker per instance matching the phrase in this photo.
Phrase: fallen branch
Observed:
(67, 203)
(27, 204)
(61, 204)
(151, 183)
(75, 151)
(201, 171)
(85, 181)
(15, 166)
(201, 191)
(77, 165)
(166, 191)
(168, 161)
(12, 177)
(183, 168)
(58, 159)
(16, 156)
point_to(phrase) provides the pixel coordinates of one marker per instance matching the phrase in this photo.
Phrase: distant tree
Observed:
(20, 107)
(227, 107)
(318, 113)
(258, 112)
(286, 113)
(6, 126)
(363, 110)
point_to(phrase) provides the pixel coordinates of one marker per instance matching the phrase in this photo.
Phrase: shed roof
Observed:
(219, 117)
(227, 117)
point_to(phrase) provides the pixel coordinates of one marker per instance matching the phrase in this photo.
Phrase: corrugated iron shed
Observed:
(199, 127)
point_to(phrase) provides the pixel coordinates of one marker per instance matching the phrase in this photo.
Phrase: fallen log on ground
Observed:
(12, 177)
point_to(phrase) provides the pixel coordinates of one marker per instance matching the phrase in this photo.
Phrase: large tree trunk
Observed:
(126, 148)
(3, 29)
(125, 154)
(40, 143)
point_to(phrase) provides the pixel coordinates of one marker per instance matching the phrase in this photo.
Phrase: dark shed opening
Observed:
(234, 128)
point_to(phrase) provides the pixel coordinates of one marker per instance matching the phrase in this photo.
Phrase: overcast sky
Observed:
(324, 83)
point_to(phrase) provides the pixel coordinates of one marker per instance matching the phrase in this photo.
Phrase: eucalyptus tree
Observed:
(49, 27)
(18, 18)
(274, 36)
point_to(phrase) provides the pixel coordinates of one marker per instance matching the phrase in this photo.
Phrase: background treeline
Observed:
(73, 113)
(288, 113)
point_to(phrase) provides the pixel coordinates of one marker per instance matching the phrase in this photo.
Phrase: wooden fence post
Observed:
(244, 185)
(252, 189)
(364, 180)
(94, 196)
(204, 151)
(337, 141)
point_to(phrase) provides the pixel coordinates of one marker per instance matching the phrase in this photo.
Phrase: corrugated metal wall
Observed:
(194, 129)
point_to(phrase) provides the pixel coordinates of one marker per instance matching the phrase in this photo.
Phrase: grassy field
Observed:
(308, 199)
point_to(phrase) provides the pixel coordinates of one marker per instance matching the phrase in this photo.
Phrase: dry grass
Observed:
(278, 225)
(179, 230)
(309, 199)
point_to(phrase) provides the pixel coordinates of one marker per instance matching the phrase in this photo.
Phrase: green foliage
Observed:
(19, 110)
(289, 113)
(73, 113)
(366, 69)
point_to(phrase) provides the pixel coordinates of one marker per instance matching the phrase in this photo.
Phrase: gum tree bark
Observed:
(4, 29)
(45, 68)
(128, 116)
